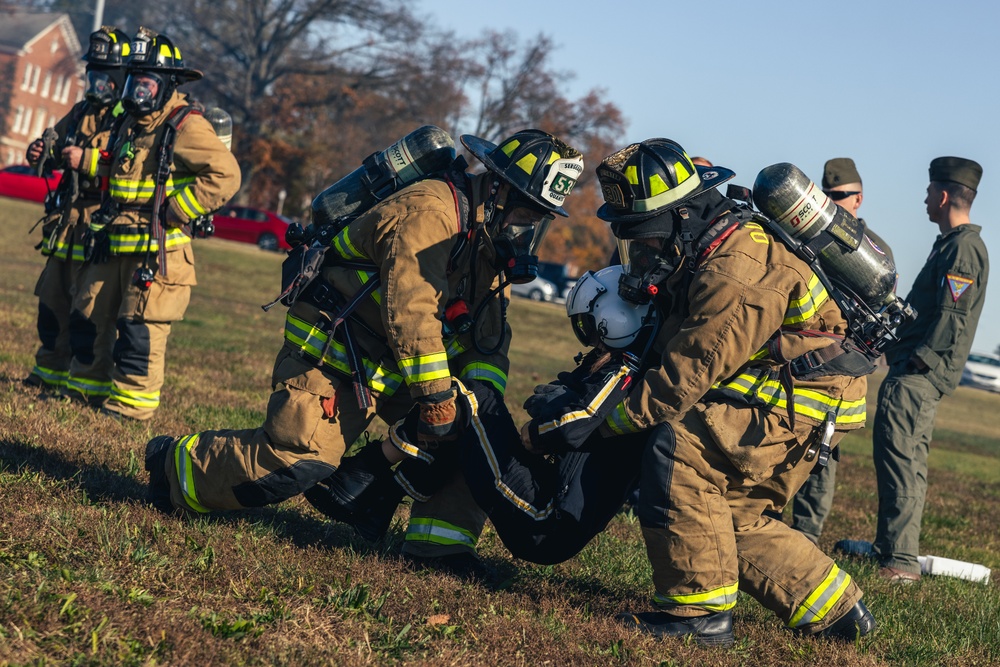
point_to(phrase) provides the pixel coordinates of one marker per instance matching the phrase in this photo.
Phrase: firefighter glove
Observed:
(439, 419)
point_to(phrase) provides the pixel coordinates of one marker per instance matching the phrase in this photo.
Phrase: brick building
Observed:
(41, 77)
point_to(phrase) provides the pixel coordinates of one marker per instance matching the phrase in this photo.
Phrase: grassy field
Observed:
(90, 575)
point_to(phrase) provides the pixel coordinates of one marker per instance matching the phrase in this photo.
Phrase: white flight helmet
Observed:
(599, 314)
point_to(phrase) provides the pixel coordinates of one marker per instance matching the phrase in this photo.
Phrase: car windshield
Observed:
(983, 359)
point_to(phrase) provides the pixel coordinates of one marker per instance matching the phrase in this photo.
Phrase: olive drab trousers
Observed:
(54, 291)
(707, 480)
(812, 504)
(107, 306)
(312, 419)
(901, 438)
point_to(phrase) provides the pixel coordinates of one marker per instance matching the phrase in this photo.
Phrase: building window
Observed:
(57, 92)
(27, 76)
(18, 119)
(25, 122)
(40, 122)
(36, 72)
(55, 45)
(46, 84)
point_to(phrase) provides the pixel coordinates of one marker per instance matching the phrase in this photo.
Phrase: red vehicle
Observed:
(19, 181)
(252, 225)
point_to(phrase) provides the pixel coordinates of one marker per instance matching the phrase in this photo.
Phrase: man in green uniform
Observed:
(811, 505)
(925, 364)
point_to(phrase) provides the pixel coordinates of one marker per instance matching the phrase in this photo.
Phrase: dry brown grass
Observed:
(90, 575)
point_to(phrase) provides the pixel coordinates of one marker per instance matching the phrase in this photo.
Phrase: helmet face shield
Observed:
(144, 93)
(101, 88)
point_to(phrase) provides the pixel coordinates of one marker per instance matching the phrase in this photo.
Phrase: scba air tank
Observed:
(787, 196)
(424, 151)
(222, 123)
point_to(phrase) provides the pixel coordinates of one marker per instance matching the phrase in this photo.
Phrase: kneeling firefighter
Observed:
(550, 486)
(744, 413)
(409, 299)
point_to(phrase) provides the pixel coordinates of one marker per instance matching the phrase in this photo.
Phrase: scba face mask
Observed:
(646, 263)
(100, 88)
(521, 233)
(144, 93)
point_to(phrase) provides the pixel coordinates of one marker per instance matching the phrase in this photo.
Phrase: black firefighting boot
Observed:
(853, 625)
(158, 494)
(712, 630)
(356, 475)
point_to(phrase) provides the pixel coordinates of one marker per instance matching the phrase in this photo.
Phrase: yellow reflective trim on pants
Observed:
(425, 367)
(136, 399)
(480, 370)
(717, 599)
(89, 387)
(590, 410)
(536, 513)
(619, 423)
(805, 307)
(50, 376)
(440, 532)
(819, 603)
(185, 471)
(311, 340)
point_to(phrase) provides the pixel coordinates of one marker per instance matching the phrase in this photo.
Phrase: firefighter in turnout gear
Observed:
(74, 147)
(166, 168)
(549, 487)
(409, 301)
(735, 431)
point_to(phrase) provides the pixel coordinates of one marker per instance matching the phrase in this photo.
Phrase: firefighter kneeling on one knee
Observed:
(410, 298)
(736, 435)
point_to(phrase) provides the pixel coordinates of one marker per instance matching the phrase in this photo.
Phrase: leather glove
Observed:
(439, 417)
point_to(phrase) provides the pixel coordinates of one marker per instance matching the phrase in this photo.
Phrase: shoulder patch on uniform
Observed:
(957, 285)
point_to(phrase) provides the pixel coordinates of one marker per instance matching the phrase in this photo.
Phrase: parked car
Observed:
(538, 289)
(982, 371)
(252, 225)
(558, 275)
(19, 181)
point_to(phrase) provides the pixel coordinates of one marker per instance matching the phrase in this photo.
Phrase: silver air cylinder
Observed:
(424, 151)
(787, 196)
(222, 123)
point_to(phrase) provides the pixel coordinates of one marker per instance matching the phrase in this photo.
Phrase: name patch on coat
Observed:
(957, 285)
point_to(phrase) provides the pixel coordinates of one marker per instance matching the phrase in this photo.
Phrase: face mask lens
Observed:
(643, 255)
(99, 87)
(140, 92)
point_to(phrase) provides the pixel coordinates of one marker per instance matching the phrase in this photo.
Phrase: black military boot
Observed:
(158, 494)
(712, 630)
(853, 625)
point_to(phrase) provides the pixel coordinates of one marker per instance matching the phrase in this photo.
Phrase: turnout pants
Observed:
(108, 307)
(904, 425)
(54, 292)
(707, 480)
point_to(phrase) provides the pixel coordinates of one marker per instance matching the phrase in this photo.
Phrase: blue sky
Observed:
(890, 84)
